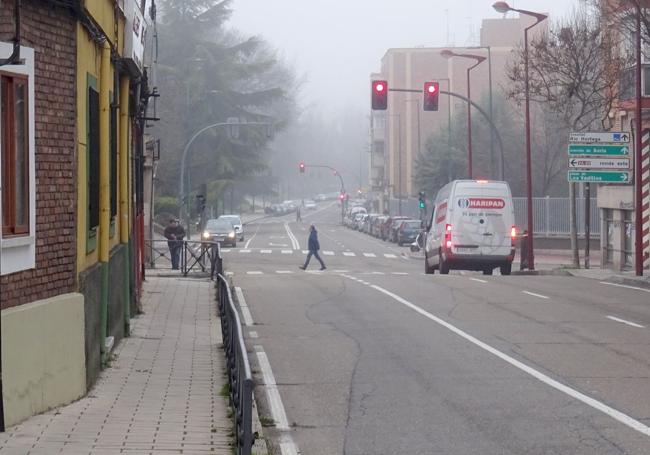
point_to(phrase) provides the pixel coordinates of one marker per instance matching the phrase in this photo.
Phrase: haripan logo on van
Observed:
(481, 203)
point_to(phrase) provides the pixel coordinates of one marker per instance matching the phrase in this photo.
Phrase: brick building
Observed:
(42, 315)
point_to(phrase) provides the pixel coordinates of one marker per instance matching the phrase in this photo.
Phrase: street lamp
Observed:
(503, 7)
(501, 162)
(479, 59)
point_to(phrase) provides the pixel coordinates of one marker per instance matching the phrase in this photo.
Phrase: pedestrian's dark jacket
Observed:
(177, 231)
(313, 241)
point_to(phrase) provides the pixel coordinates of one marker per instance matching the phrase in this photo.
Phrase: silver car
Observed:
(235, 220)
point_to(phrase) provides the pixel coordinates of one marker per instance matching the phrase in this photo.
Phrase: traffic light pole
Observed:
(464, 98)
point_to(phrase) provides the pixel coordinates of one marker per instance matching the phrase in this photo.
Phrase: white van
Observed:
(472, 227)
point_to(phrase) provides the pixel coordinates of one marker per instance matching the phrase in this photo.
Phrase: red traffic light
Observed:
(342, 196)
(302, 167)
(431, 94)
(379, 95)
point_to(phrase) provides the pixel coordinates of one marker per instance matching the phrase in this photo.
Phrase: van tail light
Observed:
(448, 236)
(513, 234)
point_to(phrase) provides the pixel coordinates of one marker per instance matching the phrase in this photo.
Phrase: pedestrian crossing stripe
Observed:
(328, 253)
(244, 251)
(266, 251)
(390, 256)
(348, 253)
(370, 255)
(287, 251)
(324, 253)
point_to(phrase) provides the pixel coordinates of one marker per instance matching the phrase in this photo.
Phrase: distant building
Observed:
(399, 134)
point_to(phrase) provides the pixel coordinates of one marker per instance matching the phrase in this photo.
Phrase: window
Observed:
(93, 167)
(15, 155)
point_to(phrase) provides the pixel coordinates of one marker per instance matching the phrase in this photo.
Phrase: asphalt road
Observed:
(374, 357)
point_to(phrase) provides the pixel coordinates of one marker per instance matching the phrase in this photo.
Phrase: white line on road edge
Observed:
(294, 241)
(287, 446)
(633, 324)
(624, 286)
(245, 311)
(479, 280)
(255, 272)
(615, 414)
(536, 295)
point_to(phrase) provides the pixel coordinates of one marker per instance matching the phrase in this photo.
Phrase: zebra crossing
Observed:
(266, 251)
(328, 271)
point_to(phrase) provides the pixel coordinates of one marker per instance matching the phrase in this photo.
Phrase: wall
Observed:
(42, 355)
(50, 32)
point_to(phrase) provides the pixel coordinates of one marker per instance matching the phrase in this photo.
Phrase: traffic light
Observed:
(302, 167)
(431, 93)
(379, 95)
(423, 202)
(342, 196)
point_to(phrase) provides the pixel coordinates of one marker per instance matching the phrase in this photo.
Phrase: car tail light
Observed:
(513, 234)
(448, 236)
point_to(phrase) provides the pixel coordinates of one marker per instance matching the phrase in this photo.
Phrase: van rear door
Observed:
(485, 217)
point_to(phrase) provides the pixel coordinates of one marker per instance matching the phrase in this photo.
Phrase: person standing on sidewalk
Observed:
(174, 233)
(313, 247)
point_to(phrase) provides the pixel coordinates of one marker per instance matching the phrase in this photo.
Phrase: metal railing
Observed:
(193, 255)
(551, 215)
(239, 370)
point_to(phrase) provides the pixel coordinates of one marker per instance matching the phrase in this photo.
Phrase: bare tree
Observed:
(574, 73)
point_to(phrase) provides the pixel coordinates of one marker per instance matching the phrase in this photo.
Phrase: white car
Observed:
(310, 205)
(235, 220)
(472, 227)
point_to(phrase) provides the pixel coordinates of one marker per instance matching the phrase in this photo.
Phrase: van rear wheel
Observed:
(506, 269)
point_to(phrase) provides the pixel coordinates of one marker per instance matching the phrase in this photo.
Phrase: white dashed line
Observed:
(244, 251)
(480, 281)
(539, 296)
(328, 253)
(390, 256)
(253, 334)
(340, 271)
(399, 273)
(305, 251)
(266, 251)
(348, 253)
(377, 273)
(255, 272)
(370, 255)
(284, 272)
(245, 311)
(287, 251)
(633, 324)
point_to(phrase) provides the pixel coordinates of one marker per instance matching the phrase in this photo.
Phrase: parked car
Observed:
(472, 227)
(408, 231)
(310, 205)
(361, 224)
(220, 230)
(237, 224)
(392, 229)
(370, 221)
(375, 230)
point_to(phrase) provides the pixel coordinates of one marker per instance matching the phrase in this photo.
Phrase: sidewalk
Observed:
(160, 394)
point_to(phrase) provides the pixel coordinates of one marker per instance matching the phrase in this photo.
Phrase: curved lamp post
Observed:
(479, 59)
(503, 7)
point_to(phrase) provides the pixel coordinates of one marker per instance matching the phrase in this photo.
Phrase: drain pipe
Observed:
(105, 85)
(124, 197)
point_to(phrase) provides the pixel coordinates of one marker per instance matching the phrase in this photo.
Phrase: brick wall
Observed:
(51, 32)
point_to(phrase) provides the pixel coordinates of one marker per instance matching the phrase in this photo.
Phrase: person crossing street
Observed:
(313, 246)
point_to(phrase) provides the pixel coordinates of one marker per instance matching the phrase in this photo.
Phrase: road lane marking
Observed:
(540, 296)
(370, 255)
(266, 251)
(284, 272)
(225, 250)
(252, 237)
(287, 251)
(348, 253)
(244, 251)
(328, 253)
(377, 273)
(253, 334)
(255, 272)
(399, 273)
(633, 324)
(341, 271)
(624, 286)
(294, 241)
(613, 413)
(272, 392)
(390, 256)
(305, 251)
(245, 311)
(479, 280)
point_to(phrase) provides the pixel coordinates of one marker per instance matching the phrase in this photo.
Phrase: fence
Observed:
(239, 370)
(551, 216)
(193, 255)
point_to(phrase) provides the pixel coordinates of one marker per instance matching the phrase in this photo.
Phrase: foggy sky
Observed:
(336, 44)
